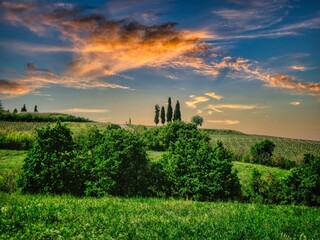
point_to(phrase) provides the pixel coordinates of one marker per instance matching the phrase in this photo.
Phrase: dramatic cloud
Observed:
(11, 88)
(195, 100)
(102, 47)
(295, 103)
(248, 69)
(84, 110)
(299, 68)
(233, 106)
(225, 122)
(213, 95)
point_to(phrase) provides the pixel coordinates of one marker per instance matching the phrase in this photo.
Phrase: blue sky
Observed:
(252, 66)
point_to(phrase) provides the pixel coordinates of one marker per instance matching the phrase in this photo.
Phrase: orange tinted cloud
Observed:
(195, 100)
(277, 80)
(213, 95)
(10, 88)
(225, 122)
(218, 107)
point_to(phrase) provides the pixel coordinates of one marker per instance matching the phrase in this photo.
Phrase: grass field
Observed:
(67, 217)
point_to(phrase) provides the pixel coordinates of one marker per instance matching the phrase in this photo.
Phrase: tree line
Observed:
(23, 109)
(115, 162)
(160, 114)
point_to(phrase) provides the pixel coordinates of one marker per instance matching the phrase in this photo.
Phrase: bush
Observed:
(118, 166)
(303, 183)
(8, 181)
(160, 138)
(261, 152)
(198, 171)
(49, 166)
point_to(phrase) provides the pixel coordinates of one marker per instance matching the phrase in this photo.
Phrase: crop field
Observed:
(292, 149)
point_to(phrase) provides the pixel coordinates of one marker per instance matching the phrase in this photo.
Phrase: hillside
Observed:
(40, 117)
(238, 142)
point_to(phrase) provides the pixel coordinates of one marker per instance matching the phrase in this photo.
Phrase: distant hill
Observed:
(40, 117)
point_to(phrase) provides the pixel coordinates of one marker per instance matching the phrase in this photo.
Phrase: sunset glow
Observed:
(251, 66)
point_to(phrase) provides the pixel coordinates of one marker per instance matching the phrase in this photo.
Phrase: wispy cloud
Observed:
(218, 107)
(251, 70)
(295, 103)
(213, 95)
(297, 67)
(84, 110)
(224, 122)
(195, 100)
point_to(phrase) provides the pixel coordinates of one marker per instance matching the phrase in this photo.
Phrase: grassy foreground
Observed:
(67, 217)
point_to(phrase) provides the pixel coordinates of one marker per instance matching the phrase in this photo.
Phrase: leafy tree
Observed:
(24, 109)
(15, 111)
(35, 108)
(261, 152)
(198, 171)
(157, 111)
(119, 165)
(169, 111)
(177, 113)
(163, 115)
(303, 182)
(49, 166)
(197, 120)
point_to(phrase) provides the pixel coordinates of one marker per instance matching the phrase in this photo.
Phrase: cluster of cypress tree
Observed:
(171, 116)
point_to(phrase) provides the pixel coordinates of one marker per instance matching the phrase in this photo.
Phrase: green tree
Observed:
(177, 113)
(119, 165)
(169, 111)
(261, 152)
(156, 116)
(303, 182)
(198, 171)
(15, 111)
(197, 120)
(162, 115)
(1, 107)
(24, 109)
(35, 108)
(49, 166)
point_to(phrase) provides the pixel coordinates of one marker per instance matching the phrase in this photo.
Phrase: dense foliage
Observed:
(49, 166)
(197, 120)
(118, 164)
(199, 171)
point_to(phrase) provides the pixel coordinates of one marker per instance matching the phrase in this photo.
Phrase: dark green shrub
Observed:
(119, 165)
(303, 183)
(259, 190)
(198, 171)
(160, 138)
(8, 181)
(49, 166)
(261, 152)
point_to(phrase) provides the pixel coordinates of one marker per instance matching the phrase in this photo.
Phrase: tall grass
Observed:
(66, 217)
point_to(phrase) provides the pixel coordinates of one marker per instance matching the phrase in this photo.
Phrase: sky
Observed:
(246, 65)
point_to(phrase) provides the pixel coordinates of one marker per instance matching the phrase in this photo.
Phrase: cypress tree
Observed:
(177, 113)
(1, 106)
(163, 115)
(36, 108)
(157, 111)
(15, 111)
(24, 109)
(169, 111)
